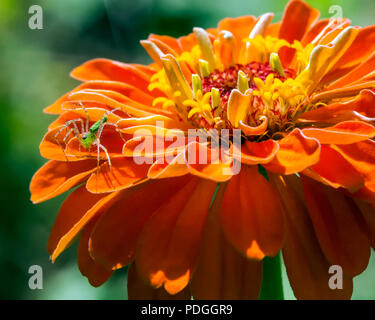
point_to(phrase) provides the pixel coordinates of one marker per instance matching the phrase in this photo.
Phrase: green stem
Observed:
(272, 283)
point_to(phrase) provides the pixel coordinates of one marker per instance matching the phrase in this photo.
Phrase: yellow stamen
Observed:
(242, 82)
(155, 53)
(276, 64)
(206, 47)
(204, 68)
(323, 57)
(197, 84)
(238, 106)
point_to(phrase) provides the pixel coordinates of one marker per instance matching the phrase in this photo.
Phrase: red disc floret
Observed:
(225, 81)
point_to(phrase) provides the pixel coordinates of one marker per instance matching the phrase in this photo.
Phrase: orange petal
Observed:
(223, 273)
(254, 131)
(93, 271)
(251, 215)
(297, 152)
(93, 112)
(167, 168)
(56, 177)
(50, 148)
(363, 104)
(361, 156)
(168, 41)
(365, 68)
(314, 31)
(240, 27)
(105, 69)
(256, 152)
(169, 246)
(117, 101)
(334, 217)
(138, 289)
(362, 47)
(187, 42)
(368, 214)
(208, 163)
(125, 89)
(297, 19)
(273, 30)
(306, 264)
(346, 132)
(151, 120)
(238, 106)
(54, 147)
(115, 236)
(76, 211)
(110, 139)
(149, 146)
(122, 174)
(336, 171)
(346, 92)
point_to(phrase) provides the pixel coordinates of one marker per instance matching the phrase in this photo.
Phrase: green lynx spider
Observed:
(89, 135)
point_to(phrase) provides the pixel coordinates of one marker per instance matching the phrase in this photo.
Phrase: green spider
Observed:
(89, 135)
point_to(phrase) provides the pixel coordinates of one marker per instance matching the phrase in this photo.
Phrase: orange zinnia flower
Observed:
(300, 92)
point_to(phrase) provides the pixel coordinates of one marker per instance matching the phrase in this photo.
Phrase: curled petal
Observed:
(297, 152)
(324, 57)
(238, 106)
(254, 131)
(167, 168)
(208, 163)
(256, 152)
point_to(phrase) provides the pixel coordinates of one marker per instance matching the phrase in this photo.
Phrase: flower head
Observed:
(299, 92)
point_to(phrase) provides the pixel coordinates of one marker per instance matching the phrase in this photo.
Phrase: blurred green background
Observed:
(34, 71)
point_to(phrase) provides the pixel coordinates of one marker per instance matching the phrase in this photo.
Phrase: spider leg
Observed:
(87, 116)
(107, 155)
(112, 111)
(97, 142)
(66, 126)
(58, 142)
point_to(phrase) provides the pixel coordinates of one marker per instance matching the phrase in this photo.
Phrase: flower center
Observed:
(210, 87)
(226, 80)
